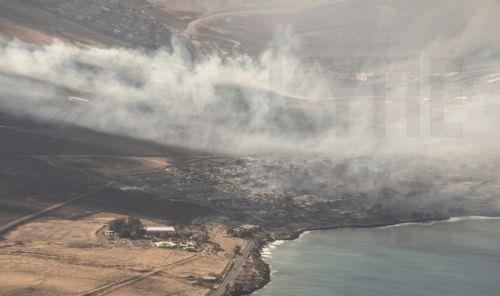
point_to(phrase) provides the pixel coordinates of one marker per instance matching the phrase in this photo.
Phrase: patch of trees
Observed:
(237, 288)
(128, 227)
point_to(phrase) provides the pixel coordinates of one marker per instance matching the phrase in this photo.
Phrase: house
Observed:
(189, 246)
(160, 231)
(109, 234)
(244, 230)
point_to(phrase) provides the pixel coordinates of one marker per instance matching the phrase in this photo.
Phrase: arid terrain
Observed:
(62, 255)
(63, 183)
(59, 251)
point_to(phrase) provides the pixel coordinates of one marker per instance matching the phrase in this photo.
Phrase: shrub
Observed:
(128, 227)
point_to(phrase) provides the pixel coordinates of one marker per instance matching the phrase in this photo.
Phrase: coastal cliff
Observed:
(254, 275)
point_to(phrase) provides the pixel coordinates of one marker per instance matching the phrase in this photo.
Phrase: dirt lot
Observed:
(60, 257)
(227, 243)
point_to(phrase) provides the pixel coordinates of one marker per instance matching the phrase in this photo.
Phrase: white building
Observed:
(165, 244)
(160, 231)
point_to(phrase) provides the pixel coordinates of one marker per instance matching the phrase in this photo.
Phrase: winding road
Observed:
(192, 31)
(192, 28)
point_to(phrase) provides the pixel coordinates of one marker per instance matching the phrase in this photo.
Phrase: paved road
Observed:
(192, 28)
(102, 239)
(237, 265)
(103, 290)
(28, 218)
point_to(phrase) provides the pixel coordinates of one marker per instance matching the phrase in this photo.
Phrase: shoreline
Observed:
(297, 234)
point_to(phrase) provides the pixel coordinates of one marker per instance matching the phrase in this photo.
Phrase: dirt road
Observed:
(28, 218)
(103, 290)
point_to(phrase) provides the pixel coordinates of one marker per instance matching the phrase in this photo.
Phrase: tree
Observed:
(237, 288)
(135, 228)
(119, 226)
(237, 250)
(128, 227)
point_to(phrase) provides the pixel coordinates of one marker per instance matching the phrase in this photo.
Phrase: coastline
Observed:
(270, 245)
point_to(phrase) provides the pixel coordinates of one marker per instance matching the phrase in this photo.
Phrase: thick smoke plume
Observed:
(435, 113)
(272, 103)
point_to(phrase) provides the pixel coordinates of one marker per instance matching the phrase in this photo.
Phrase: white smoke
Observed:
(273, 103)
(444, 108)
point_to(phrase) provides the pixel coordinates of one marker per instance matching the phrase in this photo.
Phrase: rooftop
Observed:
(160, 229)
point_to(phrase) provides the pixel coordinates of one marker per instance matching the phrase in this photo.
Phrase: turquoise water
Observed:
(455, 258)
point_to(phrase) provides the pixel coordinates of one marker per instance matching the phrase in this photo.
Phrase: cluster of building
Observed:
(279, 189)
(113, 19)
(244, 230)
(168, 237)
(165, 237)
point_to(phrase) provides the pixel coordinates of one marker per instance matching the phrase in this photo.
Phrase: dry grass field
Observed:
(62, 257)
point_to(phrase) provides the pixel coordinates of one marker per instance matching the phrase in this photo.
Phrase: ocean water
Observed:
(459, 257)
